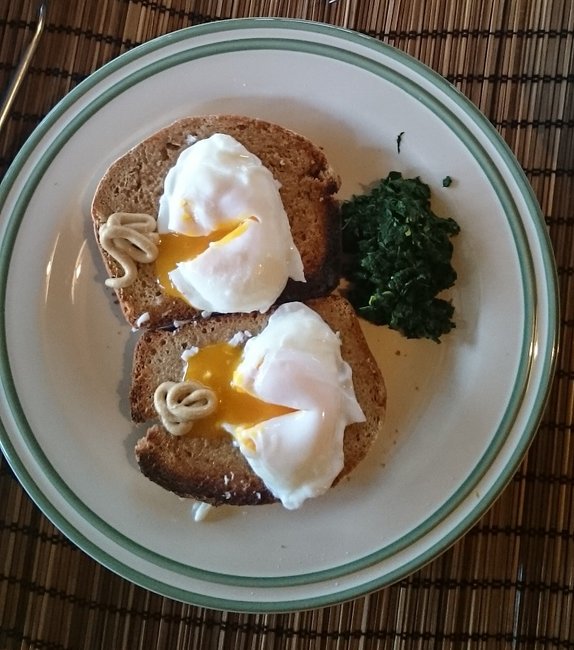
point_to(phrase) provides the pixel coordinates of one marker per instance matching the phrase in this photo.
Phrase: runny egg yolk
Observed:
(214, 366)
(175, 247)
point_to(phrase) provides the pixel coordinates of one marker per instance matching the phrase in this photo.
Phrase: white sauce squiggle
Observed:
(129, 238)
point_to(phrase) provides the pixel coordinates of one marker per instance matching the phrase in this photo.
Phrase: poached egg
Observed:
(225, 240)
(286, 397)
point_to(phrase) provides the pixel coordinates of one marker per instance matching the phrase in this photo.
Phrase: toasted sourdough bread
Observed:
(134, 183)
(212, 469)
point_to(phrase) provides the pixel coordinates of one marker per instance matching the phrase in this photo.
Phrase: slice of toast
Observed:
(211, 468)
(134, 183)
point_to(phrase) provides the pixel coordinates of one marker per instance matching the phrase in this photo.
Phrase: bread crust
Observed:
(134, 183)
(211, 468)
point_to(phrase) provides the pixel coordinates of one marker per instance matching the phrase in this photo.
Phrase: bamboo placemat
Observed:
(510, 581)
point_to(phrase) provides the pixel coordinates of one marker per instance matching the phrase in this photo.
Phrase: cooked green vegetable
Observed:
(399, 141)
(398, 258)
(446, 181)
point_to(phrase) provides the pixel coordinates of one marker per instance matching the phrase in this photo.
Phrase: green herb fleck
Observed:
(399, 140)
(446, 181)
(398, 258)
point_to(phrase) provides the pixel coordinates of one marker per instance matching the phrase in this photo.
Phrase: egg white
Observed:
(217, 184)
(296, 362)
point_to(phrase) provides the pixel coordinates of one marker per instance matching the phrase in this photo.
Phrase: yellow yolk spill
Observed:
(214, 366)
(174, 248)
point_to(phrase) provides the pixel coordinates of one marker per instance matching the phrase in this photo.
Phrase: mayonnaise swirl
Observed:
(179, 404)
(129, 237)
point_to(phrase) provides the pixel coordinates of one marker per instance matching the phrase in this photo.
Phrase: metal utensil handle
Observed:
(22, 67)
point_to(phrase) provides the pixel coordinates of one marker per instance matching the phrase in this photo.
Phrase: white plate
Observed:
(461, 414)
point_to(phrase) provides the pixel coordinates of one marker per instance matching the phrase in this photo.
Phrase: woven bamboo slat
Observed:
(509, 582)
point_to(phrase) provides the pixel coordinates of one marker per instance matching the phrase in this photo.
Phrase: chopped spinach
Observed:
(398, 257)
(399, 141)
